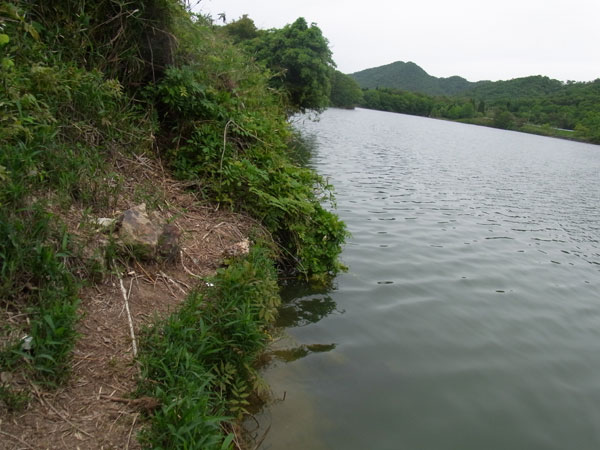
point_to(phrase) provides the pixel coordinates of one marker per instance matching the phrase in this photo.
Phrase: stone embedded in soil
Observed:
(139, 233)
(241, 248)
(105, 223)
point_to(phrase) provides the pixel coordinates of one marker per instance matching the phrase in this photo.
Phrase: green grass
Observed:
(13, 400)
(35, 278)
(199, 361)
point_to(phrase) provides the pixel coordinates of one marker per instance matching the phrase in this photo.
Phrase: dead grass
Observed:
(93, 410)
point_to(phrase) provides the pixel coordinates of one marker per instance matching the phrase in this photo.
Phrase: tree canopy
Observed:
(242, 29)
(298, 57)
(345, 92)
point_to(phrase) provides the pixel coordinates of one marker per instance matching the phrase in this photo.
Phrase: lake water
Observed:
(470, 314)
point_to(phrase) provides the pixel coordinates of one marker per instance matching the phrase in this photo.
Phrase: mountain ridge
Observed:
(409, 76)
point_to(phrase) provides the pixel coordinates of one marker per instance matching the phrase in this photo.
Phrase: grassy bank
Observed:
(85, 86)
(199, 363)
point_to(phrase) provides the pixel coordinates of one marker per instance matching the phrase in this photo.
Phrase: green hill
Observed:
(534, 104)
(408, 76)
(525, 87)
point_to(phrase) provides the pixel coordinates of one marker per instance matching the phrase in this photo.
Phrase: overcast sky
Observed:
(477, 39)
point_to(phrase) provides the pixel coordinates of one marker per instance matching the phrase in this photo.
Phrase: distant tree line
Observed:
(533, 104)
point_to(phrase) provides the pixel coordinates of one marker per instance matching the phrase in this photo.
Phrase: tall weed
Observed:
(35, 278)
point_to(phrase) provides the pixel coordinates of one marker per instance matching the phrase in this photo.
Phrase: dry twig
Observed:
(131, 431)
(188, 271)
(126, 300)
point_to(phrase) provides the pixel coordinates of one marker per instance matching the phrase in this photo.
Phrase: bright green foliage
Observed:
(503, 119)
(454, 109)
(86, 82)
(345, 92)
(32, 266)
(199, 362)
(225, 127)
(589, 127)
(130, 41)
(300, 59)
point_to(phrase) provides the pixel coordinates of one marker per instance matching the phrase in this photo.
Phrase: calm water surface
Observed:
(470, 314)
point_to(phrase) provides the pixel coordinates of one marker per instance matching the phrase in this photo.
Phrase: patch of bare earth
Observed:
(94, 410)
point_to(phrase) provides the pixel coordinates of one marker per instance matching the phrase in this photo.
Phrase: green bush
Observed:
(84, 82)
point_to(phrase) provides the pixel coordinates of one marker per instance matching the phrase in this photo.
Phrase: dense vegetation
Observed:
(200, 361)
(533, 104)
(85, 82)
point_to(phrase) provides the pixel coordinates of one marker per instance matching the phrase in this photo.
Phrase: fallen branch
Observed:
(126, 300)
(188, 271)
(168, 278)
(143, 403)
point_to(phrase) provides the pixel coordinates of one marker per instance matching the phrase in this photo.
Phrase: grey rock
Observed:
(139, 233)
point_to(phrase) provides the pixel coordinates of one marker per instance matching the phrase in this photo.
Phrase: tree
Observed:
(242, 29)
(300, 59)
(503, 119)
(481, 107)
(345, 91)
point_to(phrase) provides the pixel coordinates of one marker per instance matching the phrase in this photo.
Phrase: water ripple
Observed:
(471, 309)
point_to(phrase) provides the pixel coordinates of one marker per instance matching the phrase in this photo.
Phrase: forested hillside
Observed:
(535, 104)
(408, 76)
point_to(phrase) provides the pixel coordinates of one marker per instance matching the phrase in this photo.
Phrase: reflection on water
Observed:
(304, 303)
(292, 354)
